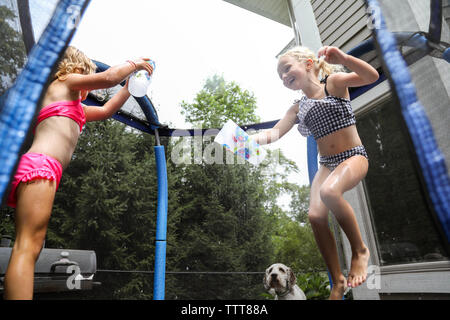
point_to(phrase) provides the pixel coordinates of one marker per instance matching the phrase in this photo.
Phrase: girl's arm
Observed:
(109, 108)
(280, 129)
(108, 78)
(363, 73)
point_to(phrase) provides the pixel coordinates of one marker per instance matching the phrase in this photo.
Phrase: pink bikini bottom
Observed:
(34, 166)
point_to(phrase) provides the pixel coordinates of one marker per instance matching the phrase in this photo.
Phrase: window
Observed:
(403, 224)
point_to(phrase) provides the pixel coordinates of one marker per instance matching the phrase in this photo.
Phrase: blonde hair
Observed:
(321, 67)
(74, 61)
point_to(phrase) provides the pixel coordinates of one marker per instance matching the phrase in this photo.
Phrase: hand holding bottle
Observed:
(141, 79)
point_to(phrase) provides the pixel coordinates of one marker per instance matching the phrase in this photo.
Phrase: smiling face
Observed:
(294, 73)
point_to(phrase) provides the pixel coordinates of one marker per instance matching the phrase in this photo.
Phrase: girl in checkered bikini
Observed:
(325, 112)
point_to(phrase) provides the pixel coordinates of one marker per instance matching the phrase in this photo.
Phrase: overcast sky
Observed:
(190, 42)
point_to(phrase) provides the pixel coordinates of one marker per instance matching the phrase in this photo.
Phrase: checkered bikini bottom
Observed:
(331, 162)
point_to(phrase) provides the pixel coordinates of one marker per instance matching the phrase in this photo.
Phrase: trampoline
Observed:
(398, 51)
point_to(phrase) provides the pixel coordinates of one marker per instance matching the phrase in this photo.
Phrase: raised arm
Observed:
(109, 108)
(362, 73)
(280, 129)
(108, 78)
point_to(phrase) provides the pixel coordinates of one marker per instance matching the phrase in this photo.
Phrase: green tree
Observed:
(232, 211)
(12, 59)
(296, 246)
(299, 204)
(107, 203)
(225, 225)
(12, 56)
(219, 101)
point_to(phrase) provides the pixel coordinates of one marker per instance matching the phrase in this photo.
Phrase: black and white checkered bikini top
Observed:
(324, 116)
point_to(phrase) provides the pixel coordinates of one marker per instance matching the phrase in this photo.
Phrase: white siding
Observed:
(344, 24)
(276, 10)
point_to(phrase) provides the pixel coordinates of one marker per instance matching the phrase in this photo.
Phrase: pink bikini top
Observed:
(71, 109)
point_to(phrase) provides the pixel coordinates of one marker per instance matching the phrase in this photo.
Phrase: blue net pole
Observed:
(161, 225)
(430, 158)
(312, 153)
(311, 147)
(22, 100)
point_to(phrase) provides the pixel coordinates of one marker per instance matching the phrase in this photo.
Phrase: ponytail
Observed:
(322, 67)
(325, 69)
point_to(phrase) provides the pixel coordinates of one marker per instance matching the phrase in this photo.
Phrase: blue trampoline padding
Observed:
(20, 104)
(446, 55)
(431, 159)
(161, 219)
(161, 225)
(312, 153)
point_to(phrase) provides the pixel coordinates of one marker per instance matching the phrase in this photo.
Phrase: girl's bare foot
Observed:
(338, 290)
(358, 269)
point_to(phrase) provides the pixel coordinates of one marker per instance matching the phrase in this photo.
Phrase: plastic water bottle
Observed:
(139, 82)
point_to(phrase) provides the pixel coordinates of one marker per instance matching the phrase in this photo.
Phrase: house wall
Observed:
(428, 70)
(343, 24)
(446, 11)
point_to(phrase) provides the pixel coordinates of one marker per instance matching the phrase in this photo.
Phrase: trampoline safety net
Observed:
(407, 131)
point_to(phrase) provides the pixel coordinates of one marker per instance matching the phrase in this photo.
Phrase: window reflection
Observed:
(401, 217)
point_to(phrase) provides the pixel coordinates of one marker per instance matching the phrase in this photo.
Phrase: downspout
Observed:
(298, 40)
(304, 24)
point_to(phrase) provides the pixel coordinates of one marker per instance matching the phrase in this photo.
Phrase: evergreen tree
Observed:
(107, 203)
(230, 211)
(12, 55)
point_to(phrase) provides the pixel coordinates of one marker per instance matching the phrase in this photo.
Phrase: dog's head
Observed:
(279, 278)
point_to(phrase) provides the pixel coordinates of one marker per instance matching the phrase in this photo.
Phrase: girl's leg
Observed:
(318, 217)
(34, 206)
(345, 177)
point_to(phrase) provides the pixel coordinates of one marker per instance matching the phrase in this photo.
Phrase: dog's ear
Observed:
(266, 285)
(291, 276)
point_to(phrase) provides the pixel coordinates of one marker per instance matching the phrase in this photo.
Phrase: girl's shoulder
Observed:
(336, 78)
(336, 85)
(59, 91)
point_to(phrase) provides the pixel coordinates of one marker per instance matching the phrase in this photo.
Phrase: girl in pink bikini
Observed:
(58, 127)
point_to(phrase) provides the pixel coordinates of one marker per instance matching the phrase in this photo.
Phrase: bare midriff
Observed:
(56, 137)
(339, 141)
